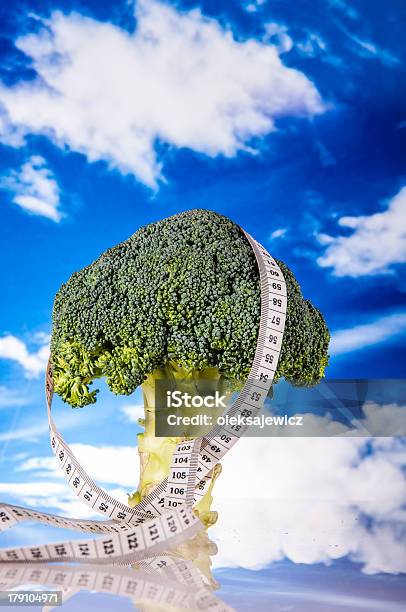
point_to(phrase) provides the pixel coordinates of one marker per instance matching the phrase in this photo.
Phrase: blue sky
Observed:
(331, 147)
(288, 117)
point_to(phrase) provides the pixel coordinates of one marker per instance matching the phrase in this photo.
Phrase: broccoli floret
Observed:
(183, 290)
(180, 298)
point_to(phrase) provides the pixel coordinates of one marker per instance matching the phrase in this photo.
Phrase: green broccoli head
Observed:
(183, 290)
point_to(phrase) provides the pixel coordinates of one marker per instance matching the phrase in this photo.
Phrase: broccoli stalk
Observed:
(181, 299)
(156, 452)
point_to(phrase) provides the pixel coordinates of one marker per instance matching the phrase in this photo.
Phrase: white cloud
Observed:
(301, 499)
(116, 465)
(384, 420)
(295, 498)
(133, 412)
(35, 430)
(30, 432)
(377, 420)
(252, 7)
(278, 34)
(313, 45)
(376, 243)
(310, 44)
(34, 363)
(54, 496)
(361, 336)
(180, 78)
(35, 188)
(35, 489)
(41, 337)
(109, 465)
(11, 397)
(278, 233)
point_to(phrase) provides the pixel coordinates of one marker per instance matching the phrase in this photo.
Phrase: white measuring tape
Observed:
(165, 516)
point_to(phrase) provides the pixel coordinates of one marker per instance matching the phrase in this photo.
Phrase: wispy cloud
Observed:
(29, 433)
(278, 233)
(277, 34)
(34, 189)
(35, 430)
(309, 44)
(345, 8)
(52, 496)
(252, 7)
(368, 334)
(11, 398)
(133, 412)
(47, 496)
(376, 243)
(117, 465)
(326, 157)
(313, 45)
(235, 89)
(366, 48)
(37, 489)
(14, 349)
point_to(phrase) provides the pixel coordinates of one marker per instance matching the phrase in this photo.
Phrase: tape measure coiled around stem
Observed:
(165, 516)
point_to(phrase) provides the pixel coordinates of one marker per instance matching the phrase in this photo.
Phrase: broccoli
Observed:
(179, 299)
